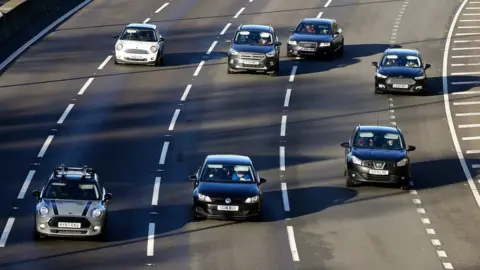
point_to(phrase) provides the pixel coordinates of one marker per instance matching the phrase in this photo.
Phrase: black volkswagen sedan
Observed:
(316, 37)
(227, 187)
(401, 70)
(254, 48)
(377, 154)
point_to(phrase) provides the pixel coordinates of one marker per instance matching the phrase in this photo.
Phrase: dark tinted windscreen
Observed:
(72, 190)
(378, 140)
(253, 38)
(401, 61)
(227, 173)
(139, 34)
(314, 29)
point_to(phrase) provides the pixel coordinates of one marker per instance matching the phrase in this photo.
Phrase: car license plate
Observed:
(308, 49)
(133, 56)
(69, 225)
(378, 172)
(227, 208)
(248, 62)
(402, 86)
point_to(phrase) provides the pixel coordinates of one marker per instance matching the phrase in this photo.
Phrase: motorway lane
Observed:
(35, 90)
(110, 126)
(339, 228)
(439, 179)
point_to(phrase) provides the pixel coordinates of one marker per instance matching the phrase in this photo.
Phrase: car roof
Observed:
(65, 173)
(380, 128)
(255, 27)
(143, 25)
(229, 159)
(402, 51)
(317, 20)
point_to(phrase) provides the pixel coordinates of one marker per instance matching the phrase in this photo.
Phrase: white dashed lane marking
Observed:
(26, 184)
(102, 65)
(156, 190)
(163, 155)
(185, 93)
(199, 67)
(162, 7)
(85, 86)
(293, 244)
(225, 29)
(174, 119)
(151, 239)
(212, 47)
(44, 148)
(6, 231)
(65, 114)
(287, 98)
(238, 13)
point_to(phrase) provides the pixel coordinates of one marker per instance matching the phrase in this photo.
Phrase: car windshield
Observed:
(378, 140)
(139, 34)
(393, 60)
(253, 38)
(314, 29)
(72, 190)
(228, 173)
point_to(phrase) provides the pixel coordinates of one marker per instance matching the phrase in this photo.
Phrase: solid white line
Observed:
(162, 7)
(293, 245)
(320, 14)
(473, 138)
(156, 190)
(466, 48)
(212, 47)
(447, 265)
(163, 155)
(26, 184)
(468, 27)
(286, 203)
(199, 68)
(41, 34)
(466, 40)
(473, 7)
(283, 125)
(471, 14)
(287, 98)
(45, 146)
(292, 75)
(466, 34)
(146, 20)
(468, 114)
(239, 12)
(463, 65)
(6, 231)
(466, 103)
(465, 73)
(282, 158)
(465, 92)
(225, 29)
(151, 239)
(102, 65)
(475, 166)
(470, 152)
(65, 113)
(328, 3)
(466, 56)
(473, 20)
(469, 126)
(448, 112)
(185, 93)
(174, 119)
(85, 86)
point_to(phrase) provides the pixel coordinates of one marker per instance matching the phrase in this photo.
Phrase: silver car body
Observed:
(73, 218)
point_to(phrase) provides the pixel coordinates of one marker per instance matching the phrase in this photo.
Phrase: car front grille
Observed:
(380, 178)
(219, 200)
(371, 164)
(137, 51)
(307, 44)
(85, 223)
(397, 80)
(252, 56)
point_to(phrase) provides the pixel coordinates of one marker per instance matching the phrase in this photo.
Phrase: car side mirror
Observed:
(375, 64)
(262, 181)
(278, 43)
(427, 66)
(336, 33)
(192, 177)
(36, 194)
(116, 36)
(345, 144)
(291, 30)
(411, 148)
(108, 197)
(161, 39)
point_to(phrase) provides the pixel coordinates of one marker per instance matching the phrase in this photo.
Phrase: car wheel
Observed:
(229, 71)
(340, 51)
(194, 215)
(349, 182)
(36, 235)
(289, 54)
(115, 61)
(405, 185)
(158, 61)
(378, 91)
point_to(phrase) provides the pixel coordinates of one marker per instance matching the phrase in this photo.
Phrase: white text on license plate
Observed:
(69, 225)
(227, 208)
(378, 172)
(403, 86)
(248, 62)
(308, 49)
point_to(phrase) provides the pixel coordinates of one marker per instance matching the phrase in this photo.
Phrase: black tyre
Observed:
(115, 61)
(229, 71)
(289, 54)
(340, 51)
(349, 182)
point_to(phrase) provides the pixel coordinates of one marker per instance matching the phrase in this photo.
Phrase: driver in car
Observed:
(241, 175)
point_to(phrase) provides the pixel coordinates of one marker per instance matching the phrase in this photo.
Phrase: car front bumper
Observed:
(265, 64)
(131, 58)
(400, 85)
(297, 50)
(48, 226)
(396, 175)
(210, 210)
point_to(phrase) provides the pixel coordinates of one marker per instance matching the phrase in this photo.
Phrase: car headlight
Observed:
(356, 160)
(119, 47)
(233, 52)
(292, 42)
(43, 210)
(402, 162)
(420, 77)
(270, 54)
(324, 44)
(380, 75)
(97, 212)
(253, 199)
(204, 198)
(153, 49)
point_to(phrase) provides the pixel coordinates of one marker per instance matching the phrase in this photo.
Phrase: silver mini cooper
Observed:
(72, 203)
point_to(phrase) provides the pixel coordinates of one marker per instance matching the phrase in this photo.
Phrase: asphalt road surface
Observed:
(291, 125)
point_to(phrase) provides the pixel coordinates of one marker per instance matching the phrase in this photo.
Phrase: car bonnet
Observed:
(71, 207)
